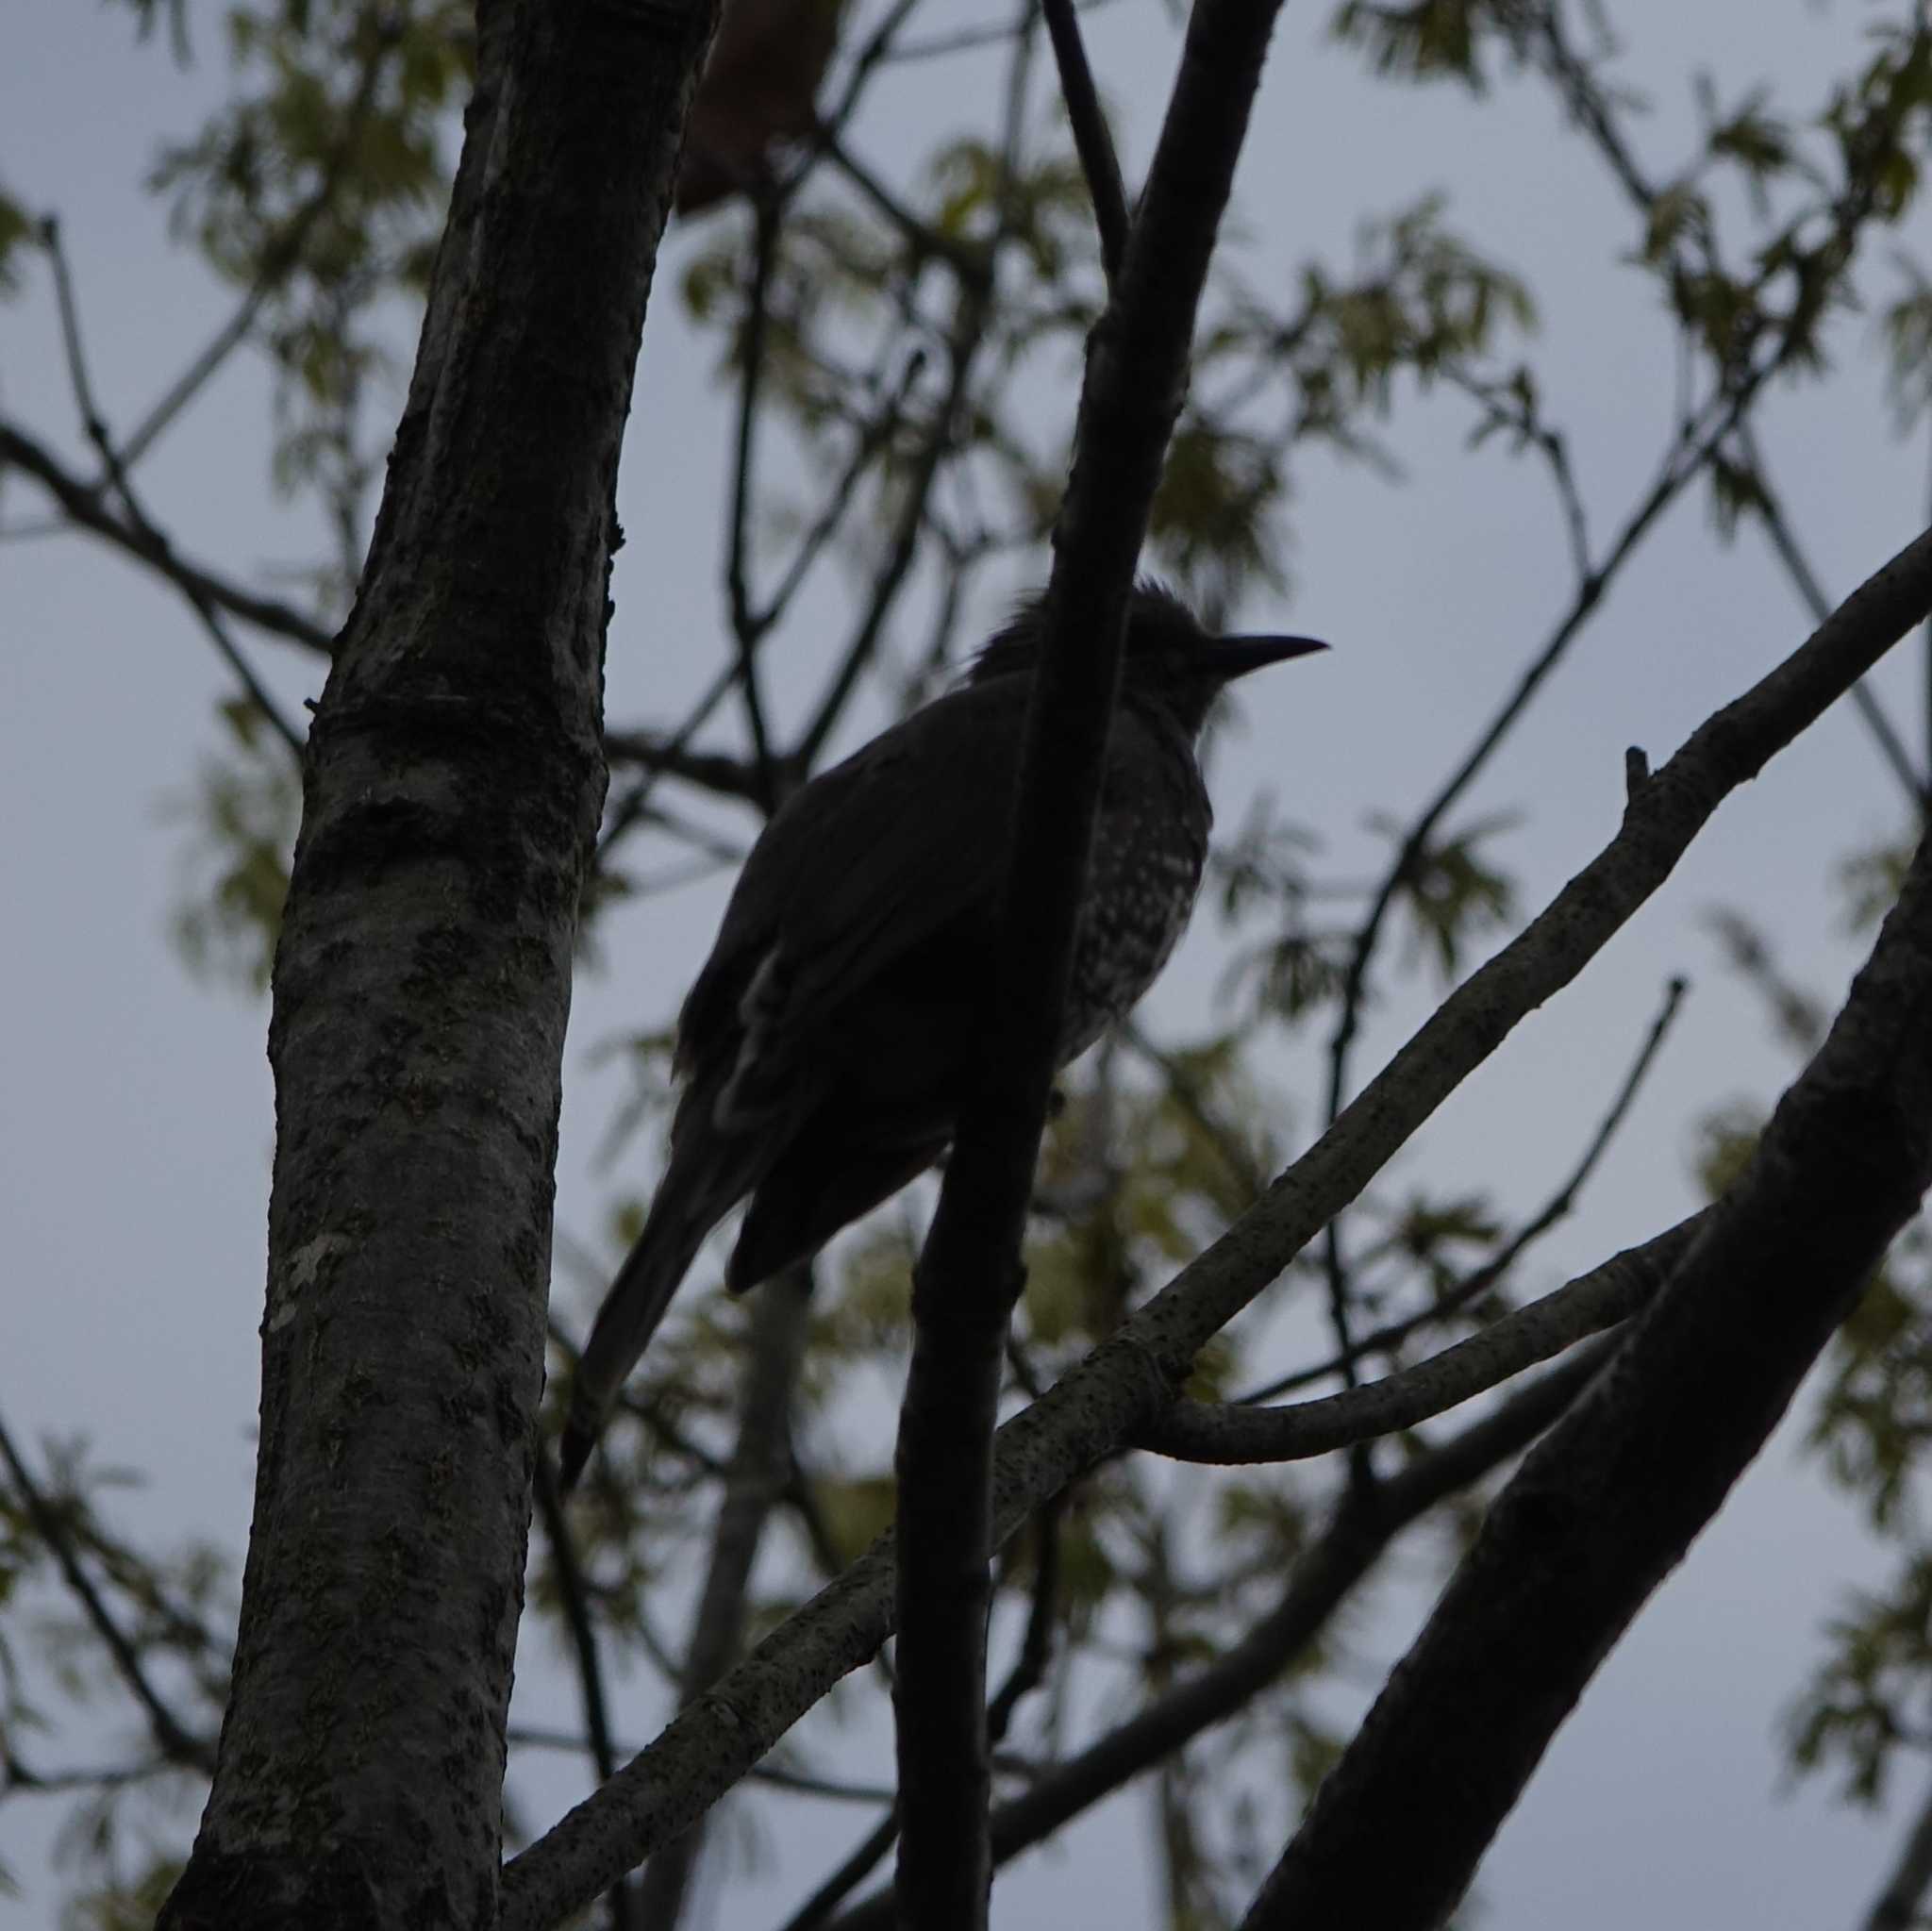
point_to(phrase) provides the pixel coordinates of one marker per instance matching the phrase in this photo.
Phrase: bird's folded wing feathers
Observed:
(868, 861)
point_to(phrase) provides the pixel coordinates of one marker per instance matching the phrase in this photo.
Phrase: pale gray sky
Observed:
(135, 1105)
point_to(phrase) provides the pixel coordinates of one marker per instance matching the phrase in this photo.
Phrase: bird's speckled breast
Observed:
(1149, 847)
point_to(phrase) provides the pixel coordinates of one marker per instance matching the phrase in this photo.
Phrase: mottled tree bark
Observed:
(452, 789)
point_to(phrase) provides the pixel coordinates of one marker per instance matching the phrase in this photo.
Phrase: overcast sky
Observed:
(135, 1103)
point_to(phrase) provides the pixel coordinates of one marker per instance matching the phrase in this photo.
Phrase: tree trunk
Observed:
(453, 785)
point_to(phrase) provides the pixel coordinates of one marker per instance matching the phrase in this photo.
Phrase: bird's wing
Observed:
(871, 859)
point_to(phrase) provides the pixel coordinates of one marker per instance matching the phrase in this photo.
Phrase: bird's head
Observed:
(1169, 659)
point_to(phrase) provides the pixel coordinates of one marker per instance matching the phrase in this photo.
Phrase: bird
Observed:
(827, 1046)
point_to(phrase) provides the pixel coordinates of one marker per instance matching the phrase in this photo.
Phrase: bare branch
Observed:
(86, 506)
(710, 770)
(278, 259)
(115, 470)
(173, 1737)
(937, 46)
(760, 1468)
(1358, 1535)
(1481, 1280)
(1091, 140)
(575, 1603)
(745, 629)
(1769, 511)
(1036, 1646)
(1609, 1503)
(969, 1274)
(1228, 1433)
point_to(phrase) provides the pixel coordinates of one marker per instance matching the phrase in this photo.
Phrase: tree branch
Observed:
(1611, 1502)
(1091, 140)
(1342, 1556)
(171, 1737)
(86, 506)
(1228, 1433)
(1778, 529)
(1029, 1668)
(760, 1468)
(1479, 1280)
(969, 1274)
(574, 1601)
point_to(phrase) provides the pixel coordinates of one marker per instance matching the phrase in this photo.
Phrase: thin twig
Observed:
(17, 1778)
(965, 337)
(863, 1859)
(921, 237)
(1092, 141)
(575, 1603)
(1479, 1280)
(746, 628)
(278, 259)
(115, 473)
(1193, 1100)
(171, 1737)
(85, 507)
(1778, 529)
(872, 437)
(577, 1616)
(759, 1468)
(936, 46)
(1229, 1434)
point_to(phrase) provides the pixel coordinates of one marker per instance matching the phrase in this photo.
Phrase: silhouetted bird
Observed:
(829, 1041)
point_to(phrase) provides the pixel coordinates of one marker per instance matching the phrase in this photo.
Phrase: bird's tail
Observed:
(680, 1217)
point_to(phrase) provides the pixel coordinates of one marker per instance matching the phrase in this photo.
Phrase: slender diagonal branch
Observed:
(86, 507)
(114, 469)
(938, 46)
(1769, 511)
(171, 1737)
(577, 1616)
(745, 629)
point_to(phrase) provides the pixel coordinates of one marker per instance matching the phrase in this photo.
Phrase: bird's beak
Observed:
(1234, 657)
